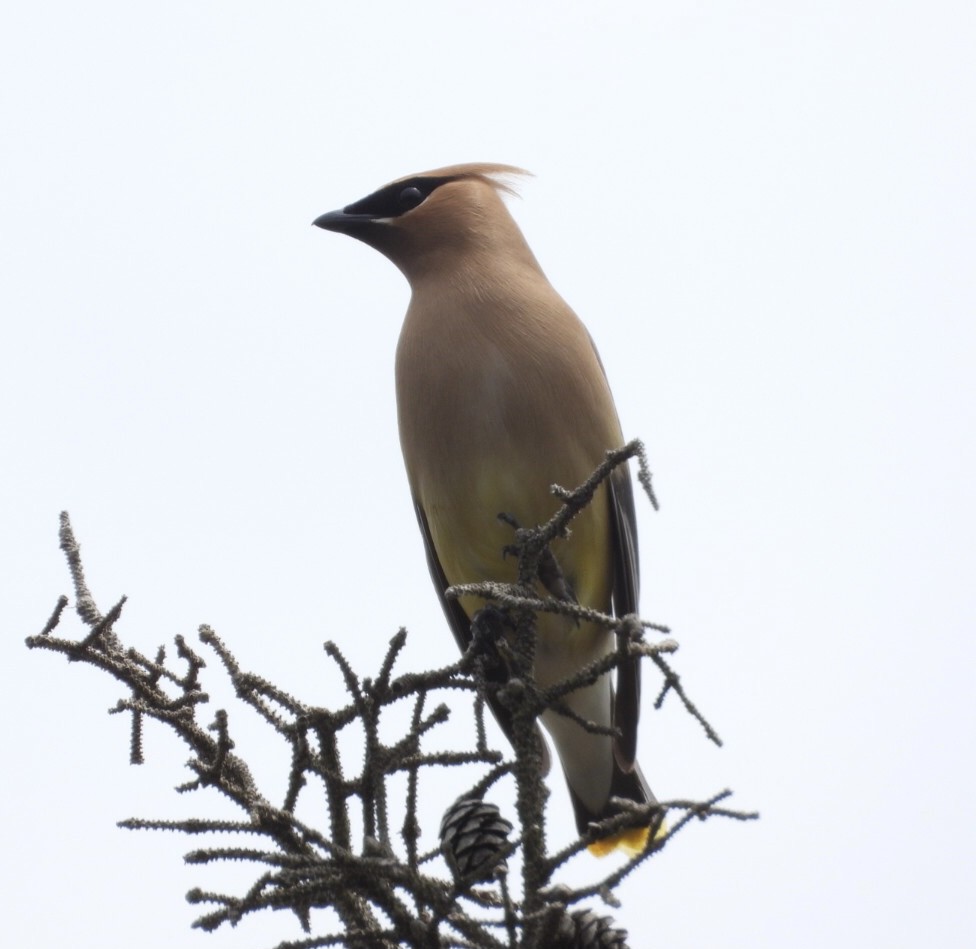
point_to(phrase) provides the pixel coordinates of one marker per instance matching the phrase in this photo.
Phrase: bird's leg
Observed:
(511, 550)
(549, 572)
(551, 576)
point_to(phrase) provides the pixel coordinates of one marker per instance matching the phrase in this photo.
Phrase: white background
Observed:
(765, 214)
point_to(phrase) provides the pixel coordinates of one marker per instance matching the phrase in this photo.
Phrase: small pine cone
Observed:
(583, 929)
(473, 835)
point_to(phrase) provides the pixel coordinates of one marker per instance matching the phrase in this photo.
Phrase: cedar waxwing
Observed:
(501, 394)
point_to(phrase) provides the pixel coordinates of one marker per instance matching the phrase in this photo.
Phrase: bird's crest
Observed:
(497, 176)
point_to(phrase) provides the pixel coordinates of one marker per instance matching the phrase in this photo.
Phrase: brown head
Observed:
(436, 220)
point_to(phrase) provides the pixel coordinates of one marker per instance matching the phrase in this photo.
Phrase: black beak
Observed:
(370, 226)
(330, 221)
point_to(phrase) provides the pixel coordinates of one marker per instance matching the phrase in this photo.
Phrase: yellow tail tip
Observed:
(631, 841)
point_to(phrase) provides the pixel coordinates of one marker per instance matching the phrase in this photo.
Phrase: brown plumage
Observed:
(500, 394)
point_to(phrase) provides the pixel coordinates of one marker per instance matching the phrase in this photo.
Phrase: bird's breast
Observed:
(494, 409)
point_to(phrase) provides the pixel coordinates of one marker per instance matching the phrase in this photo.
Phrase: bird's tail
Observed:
(633, 787)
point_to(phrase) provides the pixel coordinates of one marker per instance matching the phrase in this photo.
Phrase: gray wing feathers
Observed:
(626, 593)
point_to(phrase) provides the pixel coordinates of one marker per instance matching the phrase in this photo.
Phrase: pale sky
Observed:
(765, 214)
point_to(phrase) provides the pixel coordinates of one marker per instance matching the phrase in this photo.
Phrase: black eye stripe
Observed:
(396, 199)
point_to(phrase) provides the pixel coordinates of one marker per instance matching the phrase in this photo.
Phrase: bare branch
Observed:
(385, 894)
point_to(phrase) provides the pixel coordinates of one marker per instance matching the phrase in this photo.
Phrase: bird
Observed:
(500, 394)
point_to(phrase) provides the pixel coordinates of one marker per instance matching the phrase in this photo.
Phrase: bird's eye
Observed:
(410, 197)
